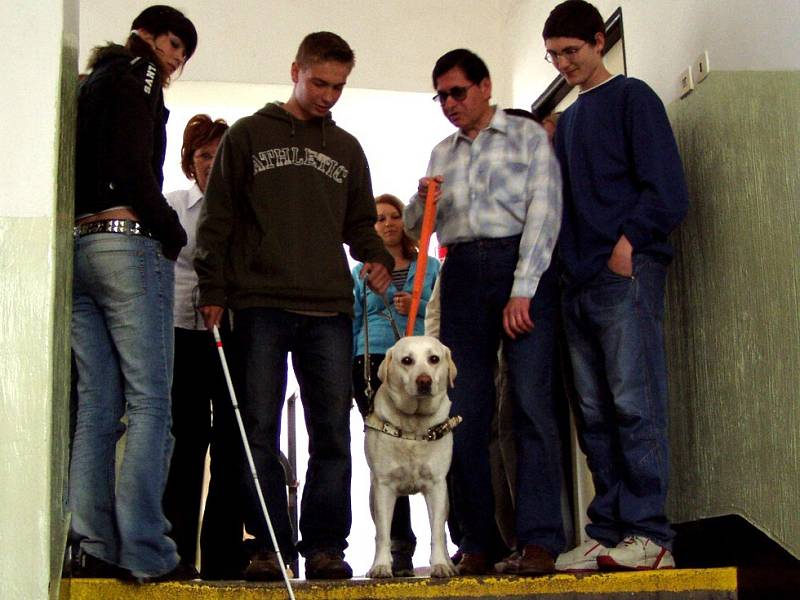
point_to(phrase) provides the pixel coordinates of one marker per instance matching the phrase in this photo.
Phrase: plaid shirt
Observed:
(504, 182)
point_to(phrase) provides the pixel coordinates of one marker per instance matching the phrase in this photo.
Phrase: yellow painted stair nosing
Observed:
(667, 580)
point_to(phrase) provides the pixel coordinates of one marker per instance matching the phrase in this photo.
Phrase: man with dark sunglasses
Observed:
(498, 213)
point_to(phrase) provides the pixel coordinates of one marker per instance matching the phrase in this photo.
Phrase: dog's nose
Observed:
(424, 383)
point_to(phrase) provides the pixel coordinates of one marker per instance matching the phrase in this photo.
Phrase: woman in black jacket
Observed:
(126, 239)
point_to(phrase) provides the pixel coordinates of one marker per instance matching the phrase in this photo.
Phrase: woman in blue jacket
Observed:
(381, 337)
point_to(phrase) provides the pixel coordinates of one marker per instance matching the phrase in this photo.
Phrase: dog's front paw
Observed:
(443, 570)
(379, 571)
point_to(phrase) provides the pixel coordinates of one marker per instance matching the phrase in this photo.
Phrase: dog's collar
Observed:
(434, 433)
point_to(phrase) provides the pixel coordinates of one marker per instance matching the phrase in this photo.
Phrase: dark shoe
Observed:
(535, 560)
(181, 572)
(509, 565)
(222, 574)
(264, 566)
(327, 565)
(402, 564)
(473, 563)
(224, 562)
(87, 566)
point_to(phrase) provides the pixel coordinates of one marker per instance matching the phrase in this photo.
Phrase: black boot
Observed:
(402, 558)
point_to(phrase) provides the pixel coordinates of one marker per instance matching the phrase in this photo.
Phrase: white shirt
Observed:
(187, 203)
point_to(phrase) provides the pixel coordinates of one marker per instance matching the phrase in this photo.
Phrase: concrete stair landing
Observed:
(684, 584)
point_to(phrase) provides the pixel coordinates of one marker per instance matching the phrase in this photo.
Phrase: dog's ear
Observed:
(383, 369)
(451, 366)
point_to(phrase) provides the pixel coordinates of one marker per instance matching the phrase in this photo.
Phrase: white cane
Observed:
(250, 460)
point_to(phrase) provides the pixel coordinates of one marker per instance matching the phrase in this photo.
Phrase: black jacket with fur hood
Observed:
(121, 140)
(283, 196)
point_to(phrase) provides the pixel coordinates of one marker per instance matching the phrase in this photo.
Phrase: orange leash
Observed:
(428, 218)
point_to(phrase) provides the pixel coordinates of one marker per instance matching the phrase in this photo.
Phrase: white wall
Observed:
(31, 42)
(396, 41)
(396, 129)
(663, 37)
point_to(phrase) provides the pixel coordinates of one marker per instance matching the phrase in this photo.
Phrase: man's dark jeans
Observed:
(321, 350)
(476, 284)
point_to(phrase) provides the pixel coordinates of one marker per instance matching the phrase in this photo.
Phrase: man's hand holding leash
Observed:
(378, 277)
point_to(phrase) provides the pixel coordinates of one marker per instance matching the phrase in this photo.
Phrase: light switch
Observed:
(686, 83)
(700, 66)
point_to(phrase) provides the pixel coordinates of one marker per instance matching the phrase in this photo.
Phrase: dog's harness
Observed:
(434, 433)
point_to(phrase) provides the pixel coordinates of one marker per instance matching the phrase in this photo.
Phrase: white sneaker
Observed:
(582, 558)
(636, 552)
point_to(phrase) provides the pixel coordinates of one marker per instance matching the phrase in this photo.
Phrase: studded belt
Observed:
(124, 226)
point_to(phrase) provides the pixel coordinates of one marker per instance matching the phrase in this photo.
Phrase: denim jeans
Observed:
(321, 349)
(614, 329)
(122, 337)
(476, 284)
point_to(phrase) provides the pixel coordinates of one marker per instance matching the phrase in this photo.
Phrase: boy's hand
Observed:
(621, 261)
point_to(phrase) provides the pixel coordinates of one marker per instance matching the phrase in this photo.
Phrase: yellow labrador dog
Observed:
(408, 443)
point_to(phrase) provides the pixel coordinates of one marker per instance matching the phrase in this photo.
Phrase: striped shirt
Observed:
(399, 277)
(504, 182)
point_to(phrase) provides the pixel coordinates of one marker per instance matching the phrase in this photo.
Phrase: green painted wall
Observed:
(37, 112)
(26, 427)
(733, 308)
(61, 295)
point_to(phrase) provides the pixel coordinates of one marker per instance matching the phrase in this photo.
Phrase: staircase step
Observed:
(684, 584)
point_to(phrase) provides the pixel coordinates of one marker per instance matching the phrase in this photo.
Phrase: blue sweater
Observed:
(622, 174)
(381, 336)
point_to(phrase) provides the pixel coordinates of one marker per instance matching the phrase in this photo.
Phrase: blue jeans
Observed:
(614, 329)
(321, 349)
(122, 337)
(477, 278)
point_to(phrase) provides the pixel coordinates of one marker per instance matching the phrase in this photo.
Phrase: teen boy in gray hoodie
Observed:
(288, 188)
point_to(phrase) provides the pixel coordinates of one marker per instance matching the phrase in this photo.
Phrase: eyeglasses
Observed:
(457, 92)
(552, 56)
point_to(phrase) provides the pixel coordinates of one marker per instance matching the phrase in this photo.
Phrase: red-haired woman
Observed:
(198, 388)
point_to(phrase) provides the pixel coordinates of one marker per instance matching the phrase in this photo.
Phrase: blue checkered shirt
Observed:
(504, 182)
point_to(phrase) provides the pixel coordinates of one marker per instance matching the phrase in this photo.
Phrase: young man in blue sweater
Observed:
(624, 192)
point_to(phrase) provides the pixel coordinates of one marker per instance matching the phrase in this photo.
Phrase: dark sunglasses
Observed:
(457, 92)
